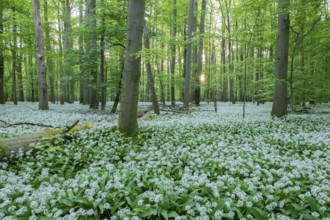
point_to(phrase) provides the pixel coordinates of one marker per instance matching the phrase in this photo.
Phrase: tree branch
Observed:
(7, 125)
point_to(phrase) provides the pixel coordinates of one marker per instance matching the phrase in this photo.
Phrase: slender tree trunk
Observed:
(117, 98)
(279, 108)
(13, 73)
(31, 74)
(200, 55)
(93, 52)
(20, 75)
(60, 76)
(188, 56)
(102, 76)
(49, 61)
(149, 73)
(173, 48)
(67, 48)
(82, 54)
(42, 80)
(2, 69)
(161, 80)
(194, 66)
(132, 69)
(223, 70)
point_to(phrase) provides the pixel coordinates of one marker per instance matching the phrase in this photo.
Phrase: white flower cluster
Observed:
(201, 165)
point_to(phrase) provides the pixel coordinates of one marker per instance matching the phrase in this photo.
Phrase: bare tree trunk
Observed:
(161, 76)
(31, 75)
(43, 95)
(20, 75)
(118, 93)
(200, 55)
(2, 69)
(81, 54)
(149, 73)
(188, 56)
(102, 76)
(173, 48)
(132, 69)
(13, 73)
(194, 55)
(67, 48)
(49, 61)
(93, 57)
(60, 61)
(279, 108)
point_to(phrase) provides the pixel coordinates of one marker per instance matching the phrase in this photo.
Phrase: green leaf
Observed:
(116, 206)
(313, 204)
(173, 214)
(101, 207)
(258, 213)
(68, 202)
(149, 213)
(164, 214)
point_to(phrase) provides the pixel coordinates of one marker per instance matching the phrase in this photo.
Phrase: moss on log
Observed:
(15, 145)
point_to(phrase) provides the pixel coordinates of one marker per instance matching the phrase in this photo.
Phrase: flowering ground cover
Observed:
(202, 165)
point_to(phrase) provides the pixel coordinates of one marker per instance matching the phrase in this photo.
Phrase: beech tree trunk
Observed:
(42, 80)
(49, 61)
(102, 57)
(188, 55)
(20, 75)
(132, 69)
(149, 72)
(93, 56)
(173, 48)
(2, 69)
(279, 108)
(13, 73)
(67, 48)
(200, 55)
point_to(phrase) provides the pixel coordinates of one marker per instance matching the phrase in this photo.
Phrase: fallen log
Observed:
(25, 123)
(22, 144)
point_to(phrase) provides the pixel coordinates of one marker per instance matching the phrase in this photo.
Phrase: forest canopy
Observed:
(85, 46)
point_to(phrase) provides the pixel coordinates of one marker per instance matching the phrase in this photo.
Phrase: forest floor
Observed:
(200, 165)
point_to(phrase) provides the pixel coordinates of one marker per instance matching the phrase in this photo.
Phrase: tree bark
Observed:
(200, 55)
(93, 56)
(279, 108)
(173, 48)
(2, 69)
(49, 61)
(42, 80)
(149, 72)
(13, 51)
(67, 48)
(20, 75)
(102, 75)
(132, 69)
(188, 55)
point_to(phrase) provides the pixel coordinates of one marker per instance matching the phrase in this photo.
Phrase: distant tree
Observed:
(102, 60)
(132, 69)
(200, 55)
(280, 103)
(42, 80)
(93, 56)
(2, 69)
(188, 55)
(149, 72)
(50, 62)
(67, 50)
(13, 51)
(173, 48)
